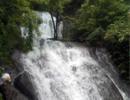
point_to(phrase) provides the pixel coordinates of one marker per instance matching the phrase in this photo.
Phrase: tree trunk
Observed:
(57, 24)
(54, 26)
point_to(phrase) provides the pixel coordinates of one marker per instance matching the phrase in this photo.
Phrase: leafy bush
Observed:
(15, 14)
(109, 15)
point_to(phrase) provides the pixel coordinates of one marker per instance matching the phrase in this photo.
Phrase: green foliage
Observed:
(110, 15)
(15, 14)
(50, 5)
(119, 31)
(54, 7)
(57, 5)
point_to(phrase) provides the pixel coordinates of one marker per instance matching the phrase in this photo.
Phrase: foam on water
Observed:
(68, 71)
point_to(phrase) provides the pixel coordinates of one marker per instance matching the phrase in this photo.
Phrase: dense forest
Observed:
(101, 23)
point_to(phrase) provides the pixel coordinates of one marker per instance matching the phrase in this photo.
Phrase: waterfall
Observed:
(69, 71)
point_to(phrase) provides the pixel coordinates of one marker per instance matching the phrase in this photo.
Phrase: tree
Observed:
(95, 14)
(15, 14)
(118, 31)
(54, 7)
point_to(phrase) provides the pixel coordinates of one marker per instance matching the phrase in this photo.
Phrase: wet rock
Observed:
(10, 93)
(41, 42)
(24, 85)
(74, 69)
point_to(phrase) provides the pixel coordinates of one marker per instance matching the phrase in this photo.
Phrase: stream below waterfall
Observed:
(70, 71)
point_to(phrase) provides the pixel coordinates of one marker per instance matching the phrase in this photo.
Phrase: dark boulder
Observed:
(10, 93)
(24, 85)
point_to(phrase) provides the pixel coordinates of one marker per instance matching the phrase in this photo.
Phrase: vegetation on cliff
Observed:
(106, 23)
(15, 14)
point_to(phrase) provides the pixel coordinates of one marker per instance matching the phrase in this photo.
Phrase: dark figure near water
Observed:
(5, 89)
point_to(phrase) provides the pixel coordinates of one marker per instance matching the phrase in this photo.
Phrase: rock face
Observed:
(21, 89)
(10, 93)
(24, 85)
(22, 81)
(7, 89)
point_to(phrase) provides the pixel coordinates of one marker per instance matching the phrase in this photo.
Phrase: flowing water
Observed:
(70, 71)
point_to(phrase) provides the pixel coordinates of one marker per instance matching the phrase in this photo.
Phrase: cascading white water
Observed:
(46, 28)
(68, 71)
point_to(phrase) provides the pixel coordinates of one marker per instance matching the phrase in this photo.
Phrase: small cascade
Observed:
(46, 28)
(69, 71)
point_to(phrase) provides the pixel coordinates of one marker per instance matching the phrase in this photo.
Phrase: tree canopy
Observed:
(50, 5)
(111, 16)
(15, 14)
